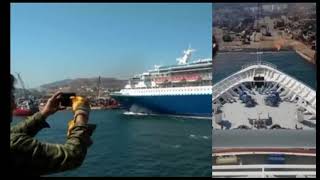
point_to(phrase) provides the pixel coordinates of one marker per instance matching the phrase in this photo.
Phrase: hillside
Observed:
(106, 83)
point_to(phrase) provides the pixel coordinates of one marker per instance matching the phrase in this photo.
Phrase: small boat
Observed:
(104, 103)
(25, 108)
(26, 105)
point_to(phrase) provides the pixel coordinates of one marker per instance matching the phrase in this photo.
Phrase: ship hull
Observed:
(186, 105)
(23, 112)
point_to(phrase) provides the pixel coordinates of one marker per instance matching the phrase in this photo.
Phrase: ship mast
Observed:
(186, 56)
(22, 85)
(98, 87)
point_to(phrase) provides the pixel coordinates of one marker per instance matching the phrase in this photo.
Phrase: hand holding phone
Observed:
(65, 99)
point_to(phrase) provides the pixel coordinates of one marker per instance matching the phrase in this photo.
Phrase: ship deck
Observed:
(235, 114)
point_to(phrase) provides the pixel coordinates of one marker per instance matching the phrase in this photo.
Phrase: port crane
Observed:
(22, 86)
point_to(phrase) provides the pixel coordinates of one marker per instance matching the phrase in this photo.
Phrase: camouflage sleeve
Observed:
(36, 158)
(31, 126)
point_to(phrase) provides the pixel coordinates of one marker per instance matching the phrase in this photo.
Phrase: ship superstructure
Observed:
(181, 89)
(263, 124)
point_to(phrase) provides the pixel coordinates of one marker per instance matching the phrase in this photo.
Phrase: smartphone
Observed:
(65, 99)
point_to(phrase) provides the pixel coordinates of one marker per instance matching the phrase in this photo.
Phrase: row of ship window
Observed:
(170, 90)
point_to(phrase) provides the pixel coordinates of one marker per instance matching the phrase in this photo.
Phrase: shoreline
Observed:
(301, 53)
(268, 44)
(305, 56)
(255, 50)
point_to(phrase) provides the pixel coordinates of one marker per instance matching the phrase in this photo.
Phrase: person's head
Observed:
(13, 104)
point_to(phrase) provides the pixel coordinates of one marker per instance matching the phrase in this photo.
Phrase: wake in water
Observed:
(205, 137)
(165, 115)
(134, 113)
(198, 136)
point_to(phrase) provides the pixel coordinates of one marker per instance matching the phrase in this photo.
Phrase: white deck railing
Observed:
(259, 63)
(263, 170)
(270, 73)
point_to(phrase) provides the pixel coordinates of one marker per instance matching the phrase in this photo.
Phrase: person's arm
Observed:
(31, 126)
(45, 158)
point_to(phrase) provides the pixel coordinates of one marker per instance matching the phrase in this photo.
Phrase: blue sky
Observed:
(51, 42)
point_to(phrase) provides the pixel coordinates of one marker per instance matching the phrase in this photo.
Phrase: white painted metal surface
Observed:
(193, 90)
(294, 90)
(263, 170)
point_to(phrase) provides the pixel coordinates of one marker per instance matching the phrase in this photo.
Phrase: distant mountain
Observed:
(87, 82)
(56, 84)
